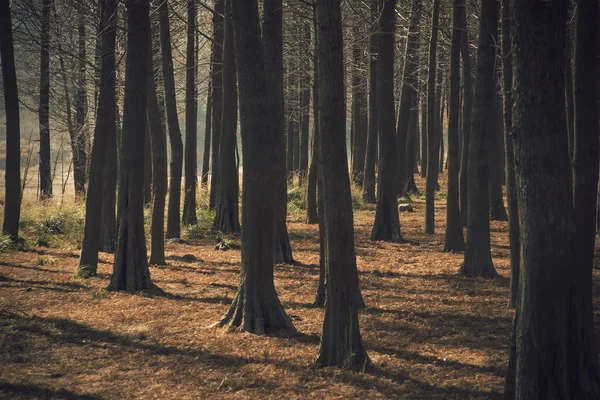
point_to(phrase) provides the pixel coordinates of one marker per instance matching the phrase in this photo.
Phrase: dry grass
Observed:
(430, 333)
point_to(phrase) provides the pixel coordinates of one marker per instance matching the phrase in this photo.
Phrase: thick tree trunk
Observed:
(174, 206)
(466, 117)
(12, 180)
(217, 97)
(131, 263)
(371, 150)
(256, 307)
(496, 160)
(432, 110)
(227, 215)
(478, 257)
(191, 146)
(44, 110)
(387, 222)
(341, 342)
(105, 128)
(569, 93)
(454, 240)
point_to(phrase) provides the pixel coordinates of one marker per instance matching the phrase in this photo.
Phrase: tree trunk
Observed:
(569, 103)
(147, 169)
(478, 257)
(304, 110)
(341, 342)
(217, 97)
(289, 132)
(174, 206)
(432, 149)
(44, 110)
(226, 218)
(256, 307)
(191, 151)
(544, 188)
(496, 160)
(105, 128)
(207, 134)
(387, 223)
(359, 107)
(466, 117)
(12, 180)
(454, 240)
(312, 217)
(79, 149)
(371, 151)
(412, 146)
(131, 264)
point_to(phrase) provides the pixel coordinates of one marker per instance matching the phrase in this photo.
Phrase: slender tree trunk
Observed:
(147, 169)
(478, 257)
(496, 160)
(569, 103)
(105, 128)
(304, 109)
(207, 135)
(191, 146)
(174, 206)
(81, 109)
(466, 117)
(359, 112)
(424, 141)
(312, 217)
(289, 132)
(131, 263)
(412, 147)
(454, 240)
(12, 180)
(256, 307)
(44, 110)
(432, 150)
(341, 342)
(371, 151)
(387, 223)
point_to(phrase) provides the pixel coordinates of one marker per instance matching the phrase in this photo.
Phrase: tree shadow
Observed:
(35, 391)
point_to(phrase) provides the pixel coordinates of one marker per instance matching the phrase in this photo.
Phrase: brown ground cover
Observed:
(430, 333)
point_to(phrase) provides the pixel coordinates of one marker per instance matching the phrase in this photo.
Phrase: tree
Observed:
(256, 307)
(312, 216)
(191, 152)
(130, 271)
(81, 108)
(454, 240)
(496, 159)
(341, 343)
(478, 257)
(371, 150)
(304, 105)
(387, 223)
(359, 105)
(12, 204)
(466, 116)
(432, 149)
(44, 110)
(105, 127)
(207, 135)
(226, 218)
(173, 222)
(217, 96)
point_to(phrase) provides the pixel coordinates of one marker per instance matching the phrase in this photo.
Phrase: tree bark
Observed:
(147, 169)
(304, 108)
(312, 216)
(131, 271)
(81, 109)
(359, 107)
(207, 135)
(217, 97)
(478, 257)
(496, 160)
(466, 117)
(44, 110)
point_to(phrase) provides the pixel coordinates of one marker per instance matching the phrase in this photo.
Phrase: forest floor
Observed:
(429, 333)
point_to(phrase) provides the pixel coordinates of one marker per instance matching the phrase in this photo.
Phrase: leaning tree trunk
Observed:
(478, 257)
(12, 180)
(466, 117)
(432, 149)
(80, 140)
(341, 342)
(226, 218)
(371, 151)
(454, 240)
(256, 307)
(174, 206)
(131, 271)
(44, 111)
(387, 222)
(105, 128)
(191, 152)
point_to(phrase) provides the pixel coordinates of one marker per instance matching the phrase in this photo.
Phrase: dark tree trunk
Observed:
(158, 142)
(496, 160)
(371, 151)
(12, 180)
(408, 98)
(454, 240)
(543, 176)
(432, 110)
(341, 342)
(584, 372)
(321, 293)
(412, 146)
(176, 164)
(304, 111)
(273, 50)
(289, 132)
(569, 95)
(466, 117)
(511, 188)
(256, 307)
(191, 146)
(44, 111)
(387, 223)
(478, 257)
(359, 107)
(312, 217)
(105, 128)
(147, 169)
(227, 215)
(131, 271)
(424, 144)
(207, 135)
(79, 144)
(217, 97)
